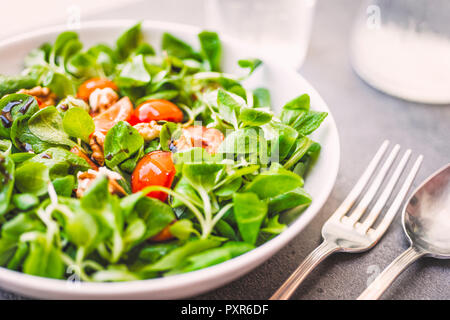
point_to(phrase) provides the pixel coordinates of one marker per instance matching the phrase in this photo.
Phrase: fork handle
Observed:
(392, 271)
(310, 262)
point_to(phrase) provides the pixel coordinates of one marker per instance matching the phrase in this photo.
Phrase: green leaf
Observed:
(121, 142)
(225, 230)
(178, 48)
(295, 110)
(6, 182)
(133, 73)
(214, 256)
(25, 201)
(249, 212)
(128, 41)
(14, 106)
(38, 56)
(145, 49)
(153, 252)
(11, 84)
(251, 64)
(83, 65)
(289, 199)
(211, 49)
(20, 224)
(301, 148)
(170, 131)
(19, 256)
(164, 94)
(43, 260)
(202, 175)
(283, 138)
(310, 122)
(47, 125)
(156, 215)
(104, 57)
(229, 106)
(70, 51)
(229, 188)
(81, 229)
(301, 102)
(184, 187)
(178, 255)
(182, 229)
(59, 83)
(272, 183)
(243, 141)
(70, 102)
(32, 178)
(254, 117)
(24, 139)
(58, 50)
(5, 147)
(64, 185)
(60, 162)
(78, 123)
(261, 98)
(273, 226)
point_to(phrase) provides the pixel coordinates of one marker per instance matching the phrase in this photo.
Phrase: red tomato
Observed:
(87, 87)
(154, 169)
(120, 111)
(156, 109)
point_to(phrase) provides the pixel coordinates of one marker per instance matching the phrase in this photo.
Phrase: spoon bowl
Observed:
(426, 221)
(426, 216)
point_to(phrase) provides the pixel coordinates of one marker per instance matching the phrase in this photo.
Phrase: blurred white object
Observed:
(403, 48)
(25, 15)
(280, 29)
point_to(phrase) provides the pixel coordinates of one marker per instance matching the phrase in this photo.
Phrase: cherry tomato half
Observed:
(87, 87)
(120, 111)
(156, 109)
(154, 169)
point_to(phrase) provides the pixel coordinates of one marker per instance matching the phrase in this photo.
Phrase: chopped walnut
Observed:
(101, 99)
(43, 95)
(97, 141)
(148, 131)
(198, 136)
(86, 178)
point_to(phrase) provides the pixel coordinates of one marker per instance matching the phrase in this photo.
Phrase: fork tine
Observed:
(359, 186)
(370, 194)
(390, 214)
(378, 207)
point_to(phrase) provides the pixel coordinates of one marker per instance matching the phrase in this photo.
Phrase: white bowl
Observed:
(284, 85)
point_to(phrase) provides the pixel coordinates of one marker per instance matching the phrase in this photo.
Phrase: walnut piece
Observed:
(198, 136)
(42, 94)
(97, 142)
(101, 99)
(86, 178)
(148, 131)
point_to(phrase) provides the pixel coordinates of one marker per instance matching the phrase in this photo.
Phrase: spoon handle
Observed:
(392, 271)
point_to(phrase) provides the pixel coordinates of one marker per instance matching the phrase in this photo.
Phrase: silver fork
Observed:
(342, 233)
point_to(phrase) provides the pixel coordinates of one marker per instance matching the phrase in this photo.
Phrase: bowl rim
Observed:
(259, 254)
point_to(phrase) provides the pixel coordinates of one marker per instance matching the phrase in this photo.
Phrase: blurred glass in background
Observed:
(280, 29)
(402, 47)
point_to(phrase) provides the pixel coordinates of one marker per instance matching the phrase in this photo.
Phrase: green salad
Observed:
(122, 162)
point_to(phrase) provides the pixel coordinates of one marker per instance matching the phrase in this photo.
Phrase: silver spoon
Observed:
(426, 222)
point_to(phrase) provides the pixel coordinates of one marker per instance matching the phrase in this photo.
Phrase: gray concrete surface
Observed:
(365, 117)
